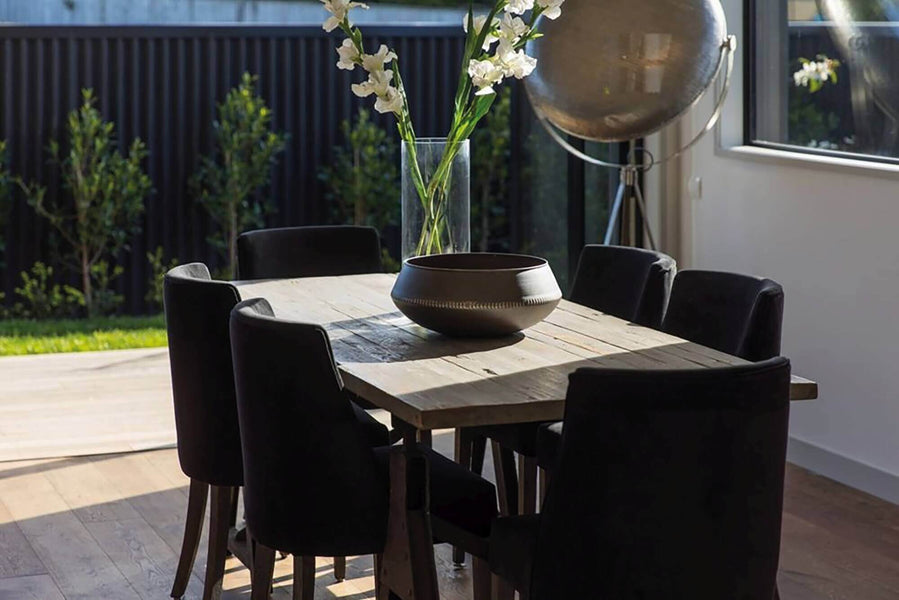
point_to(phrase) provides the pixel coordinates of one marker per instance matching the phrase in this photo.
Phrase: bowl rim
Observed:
(539, 262)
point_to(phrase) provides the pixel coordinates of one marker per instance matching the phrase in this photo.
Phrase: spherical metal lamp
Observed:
(619, 70)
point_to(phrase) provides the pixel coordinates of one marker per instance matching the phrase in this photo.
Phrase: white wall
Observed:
(828, 233)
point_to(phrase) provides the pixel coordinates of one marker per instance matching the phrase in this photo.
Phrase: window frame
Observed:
(750, 115)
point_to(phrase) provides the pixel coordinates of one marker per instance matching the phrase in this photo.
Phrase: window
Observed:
(823, 77)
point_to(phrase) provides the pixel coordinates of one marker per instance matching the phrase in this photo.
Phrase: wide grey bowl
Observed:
(475, 294)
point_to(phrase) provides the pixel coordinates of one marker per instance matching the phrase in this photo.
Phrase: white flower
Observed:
(518, 7)
(512, 28)
(516, 64)
(814, 74)
(479, 22)
(378, 83)
(375, 62)
(390, 101)
(484, 74)
(551, 8)
(349, 55)
(338, 10)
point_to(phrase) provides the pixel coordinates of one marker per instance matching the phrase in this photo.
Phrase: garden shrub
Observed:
(158, 269)
(363, 185)
(40, 298)
(227, 183)
(107, 191)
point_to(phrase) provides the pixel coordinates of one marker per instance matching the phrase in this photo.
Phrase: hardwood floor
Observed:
(109, 528)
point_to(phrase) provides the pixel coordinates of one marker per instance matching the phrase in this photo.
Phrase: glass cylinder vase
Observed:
(435, 190)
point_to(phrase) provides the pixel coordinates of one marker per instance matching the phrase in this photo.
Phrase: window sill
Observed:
(809, 161)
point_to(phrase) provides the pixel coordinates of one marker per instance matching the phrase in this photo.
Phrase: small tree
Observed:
(364, 182)
(246, 150)
(107, 192)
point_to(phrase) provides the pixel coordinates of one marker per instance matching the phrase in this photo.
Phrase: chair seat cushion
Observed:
(513, 541)
(549, 438)
(458, 496)
(375, 433)
(518, 437)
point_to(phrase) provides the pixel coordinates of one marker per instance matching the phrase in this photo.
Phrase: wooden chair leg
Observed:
(463, 457)
(263, 571)
(544, 485)
(478, 451)
(527, 491)
(506, 479)
(193, 530)
(222, 498)
(303, 578)
(232, 518)
(376, 572)
(481, 578)
(340, 568)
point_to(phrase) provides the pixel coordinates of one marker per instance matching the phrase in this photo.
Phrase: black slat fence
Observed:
(162, 84)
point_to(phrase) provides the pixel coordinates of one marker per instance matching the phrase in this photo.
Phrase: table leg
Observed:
(407, 568)
(425, 438)
(462, 456)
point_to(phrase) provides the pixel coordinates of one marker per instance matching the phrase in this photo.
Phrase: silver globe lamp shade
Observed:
(619, 70)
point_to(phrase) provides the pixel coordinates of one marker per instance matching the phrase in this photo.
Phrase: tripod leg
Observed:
(638, 193)
(616, 208)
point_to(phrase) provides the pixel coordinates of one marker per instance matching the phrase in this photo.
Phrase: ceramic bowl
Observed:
(476, 294)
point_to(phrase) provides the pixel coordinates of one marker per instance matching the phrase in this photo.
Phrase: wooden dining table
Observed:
(428, 381)
(431, 381)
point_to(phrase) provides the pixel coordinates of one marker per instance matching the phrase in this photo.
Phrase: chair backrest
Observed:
(670, 482)
(196, 318)
(631, 283)
(308, 252)
(738, 314)
(311, 483)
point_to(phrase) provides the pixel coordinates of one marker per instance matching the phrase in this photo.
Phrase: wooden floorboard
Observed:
(109, 528)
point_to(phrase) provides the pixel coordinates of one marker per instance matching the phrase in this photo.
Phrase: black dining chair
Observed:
(314, 484)
(196, 317)
(668, 484)
(630, 283)
(197, 314)
(311, 251)
(738, 314)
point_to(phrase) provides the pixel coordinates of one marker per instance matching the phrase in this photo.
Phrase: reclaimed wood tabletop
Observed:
(433, 382)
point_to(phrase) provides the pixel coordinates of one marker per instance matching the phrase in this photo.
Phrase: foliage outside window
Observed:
(824, 76)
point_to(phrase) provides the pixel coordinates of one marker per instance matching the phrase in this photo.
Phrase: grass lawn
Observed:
(19, 337)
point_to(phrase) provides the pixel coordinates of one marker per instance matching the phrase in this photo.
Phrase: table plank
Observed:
(433, 381)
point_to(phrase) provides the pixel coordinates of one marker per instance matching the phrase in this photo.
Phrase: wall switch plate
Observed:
(694, 187)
